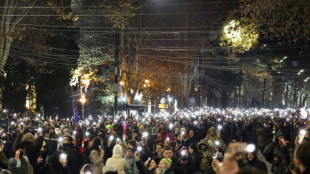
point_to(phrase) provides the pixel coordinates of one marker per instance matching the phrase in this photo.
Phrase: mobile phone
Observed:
(247, 149)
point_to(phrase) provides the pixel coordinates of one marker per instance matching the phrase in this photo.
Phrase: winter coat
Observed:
(22, 169)
(51, 143)
(53, 166)
(96, 161)
(261, 136)
(33, 149)
(197, 161)
(74, 158)
(117, 160)
(3, 160)
(131, 161)
(257, 164)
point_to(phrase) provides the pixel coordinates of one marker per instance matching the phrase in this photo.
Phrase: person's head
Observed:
(46, 126)
(28, 137)
(114, 132)
(128, 152)
(184, 153)
(302, 156)
(67, 139)
(159, 148)
(193, 149)
(86, 169)
(165, 163)
(167, 152)
(250, 156)
(132, 144)
(118, 150)
(95, 144)
(18, 154)
(154, 162)
(51, 130)
(191, 133)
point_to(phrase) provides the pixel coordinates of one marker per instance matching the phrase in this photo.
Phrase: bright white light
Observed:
(183, 153)
(217, 143)
(60, 139)
(145, 134)
(250, 148)
(219, 127)
(139, 148)
(170, 125)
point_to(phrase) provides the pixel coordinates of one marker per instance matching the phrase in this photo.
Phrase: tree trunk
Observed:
(5, 44)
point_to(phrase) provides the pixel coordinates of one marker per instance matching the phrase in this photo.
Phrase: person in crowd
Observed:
(30, 145)
(87, 169)
(186, 160)
(280, 148)
(261, 134)
(196, 155)
(18, 164)
(74, 157)
(302, 158)
(164, 167)
(176, 165)
(56, 164)
(152, 164)
(51, 140)
(253, 162)
(117, 160)
(131, 161)
(96, 155)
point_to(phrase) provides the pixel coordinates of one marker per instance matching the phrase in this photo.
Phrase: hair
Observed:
(167, 148)
(160, 144)
(96, 142)
(194, 147)
(303, 154)
(69, 138)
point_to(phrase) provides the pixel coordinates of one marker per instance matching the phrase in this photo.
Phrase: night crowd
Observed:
(181, 143)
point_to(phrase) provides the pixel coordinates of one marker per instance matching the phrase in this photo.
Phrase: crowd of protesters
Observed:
(182, 143)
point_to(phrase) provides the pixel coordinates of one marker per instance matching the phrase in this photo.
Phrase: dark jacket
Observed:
(178, 167)
(74, 158)
(22, 169)
(51, 143)
(32, 150)
(197, 161)
(53, 166)
(257, 164)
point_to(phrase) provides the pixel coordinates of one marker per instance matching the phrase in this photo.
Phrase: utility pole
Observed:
(199, 81)
(116, 71)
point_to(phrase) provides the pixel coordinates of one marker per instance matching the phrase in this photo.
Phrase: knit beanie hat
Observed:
(28, 137)
(117, 150)
(167, 161)
(12, 163)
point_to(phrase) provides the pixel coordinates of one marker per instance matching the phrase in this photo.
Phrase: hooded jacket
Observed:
(256, 163)
(117, 160)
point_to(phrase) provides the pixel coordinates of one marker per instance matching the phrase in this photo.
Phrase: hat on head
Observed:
(279, 134)
(167, 161)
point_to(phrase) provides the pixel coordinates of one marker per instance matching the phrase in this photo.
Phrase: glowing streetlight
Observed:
(83, 101)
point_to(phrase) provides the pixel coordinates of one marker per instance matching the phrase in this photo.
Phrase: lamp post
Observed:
(169, 101)
(83, 101)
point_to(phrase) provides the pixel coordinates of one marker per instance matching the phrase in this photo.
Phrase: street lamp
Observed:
(83, 101)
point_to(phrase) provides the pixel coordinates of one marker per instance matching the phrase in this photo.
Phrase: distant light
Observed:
(285, 57)
(281, 60)
(265, 45)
